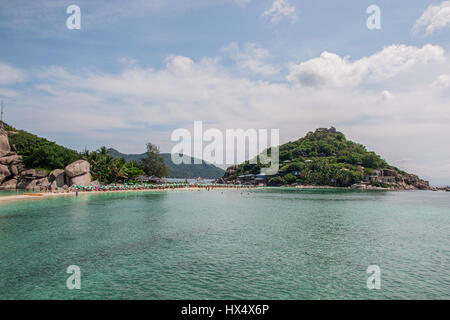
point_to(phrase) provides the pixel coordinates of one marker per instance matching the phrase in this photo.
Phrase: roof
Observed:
(246, 176)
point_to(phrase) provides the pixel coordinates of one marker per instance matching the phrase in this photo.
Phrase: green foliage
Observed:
(334, 160)
(104, 167)
(153, 164)
(40, 152)
(371, 160)
(380, 184)
(276, 181)
(133, 170)
(289, 178)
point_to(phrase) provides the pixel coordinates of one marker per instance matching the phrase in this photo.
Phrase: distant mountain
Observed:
(184, 171)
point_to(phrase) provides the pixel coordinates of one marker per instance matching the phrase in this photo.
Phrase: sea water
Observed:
(248, 244)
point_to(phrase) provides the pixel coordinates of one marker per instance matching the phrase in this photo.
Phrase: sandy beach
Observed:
(46, 195)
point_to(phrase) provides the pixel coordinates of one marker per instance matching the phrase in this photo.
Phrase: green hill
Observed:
(188, 171)
(39, 152)
(325, 157)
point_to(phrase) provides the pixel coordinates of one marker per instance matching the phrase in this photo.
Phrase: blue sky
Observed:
(137, 70)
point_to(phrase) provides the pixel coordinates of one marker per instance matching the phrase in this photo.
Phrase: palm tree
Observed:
(118, 170)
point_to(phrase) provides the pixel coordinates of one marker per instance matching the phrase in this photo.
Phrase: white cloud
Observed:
(331, 69)
(386, 95)
(434, 18)
(10, 74)
(251, 58)
(443, 81)
(281, 9)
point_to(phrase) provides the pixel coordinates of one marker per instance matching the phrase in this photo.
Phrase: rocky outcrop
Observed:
(12, 173)
(11, 160)
(37, 185)
(4, 142)
(77, 168)
(78, 173)
(14, 176)
(57, 178)
(83, 180)
(9, 185)
(14, 170)
(33, 174)
(4, 172)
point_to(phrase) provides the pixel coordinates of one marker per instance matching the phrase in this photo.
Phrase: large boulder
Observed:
(77, 168)
(36, 185)
(13, 159)
(4, 172)
(4, 153)
(34, 174)
(14, 170)
(4, 143)
(9, 185)
(58, 177)
(83, 180)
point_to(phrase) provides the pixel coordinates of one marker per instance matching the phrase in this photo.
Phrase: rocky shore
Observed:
(382, 179)
(13, 174)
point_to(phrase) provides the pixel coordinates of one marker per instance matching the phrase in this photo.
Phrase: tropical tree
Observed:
(118, 170)
(153, 164)
(133, 170)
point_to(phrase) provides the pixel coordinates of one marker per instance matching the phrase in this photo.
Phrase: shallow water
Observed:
(4, 193)
(265, 244)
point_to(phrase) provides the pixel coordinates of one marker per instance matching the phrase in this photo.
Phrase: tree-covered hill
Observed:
(39, 152)
(326, 157)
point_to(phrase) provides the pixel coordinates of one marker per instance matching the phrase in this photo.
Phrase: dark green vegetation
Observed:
(106, 169)
(189, 171)
(323, 157)
(152, 163)
(39, 152)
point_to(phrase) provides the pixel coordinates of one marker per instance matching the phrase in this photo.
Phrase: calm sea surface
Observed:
(265, 244)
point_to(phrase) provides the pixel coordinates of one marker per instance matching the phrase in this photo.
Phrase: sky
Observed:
(139, 69)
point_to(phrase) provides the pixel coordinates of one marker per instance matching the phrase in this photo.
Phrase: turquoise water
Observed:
(265, 244)
(4, 193)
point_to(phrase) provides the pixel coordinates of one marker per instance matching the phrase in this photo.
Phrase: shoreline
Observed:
(47, 195)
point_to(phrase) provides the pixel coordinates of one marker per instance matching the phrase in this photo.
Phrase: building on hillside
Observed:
(247, 179)
(382, 179)
(261, 179)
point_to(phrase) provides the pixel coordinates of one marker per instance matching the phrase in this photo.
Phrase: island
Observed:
(325, 158)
